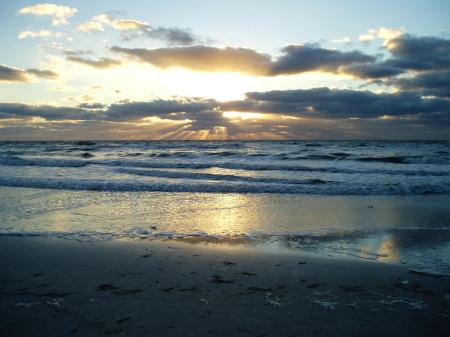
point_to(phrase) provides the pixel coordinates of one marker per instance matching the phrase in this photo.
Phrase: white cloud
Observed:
(345, 39)
(104, 18)
(129, 24)
(121, 24)
(60, 13)
(89, 27)
(383, 33)
(43, 33)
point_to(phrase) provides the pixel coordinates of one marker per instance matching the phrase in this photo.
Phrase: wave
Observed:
(87, 155)
(17, 161)
(218, 177)
(314, 186)
(440, 160)
(196, 165)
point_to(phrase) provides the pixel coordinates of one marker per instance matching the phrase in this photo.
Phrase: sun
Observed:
(241, 115)
(220, 86)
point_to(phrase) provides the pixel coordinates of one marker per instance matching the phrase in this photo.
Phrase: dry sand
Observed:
(56, 287)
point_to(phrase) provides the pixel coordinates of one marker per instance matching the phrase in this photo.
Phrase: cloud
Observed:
(61, 88)
(58, 46)
(11, 74)
(172, 36)
(297, 59)
(60, 13)
(48, 112)
(91, 105)
(43, 33)
(121, 24)
(70, 98)
(89, 27)
(103, 63)
(202, 58)
(345, 40)
(80, 98)
(87, 98)
(371, 70)
(317, 103)
(419, 53)
(315, 113)
(326, 103)
(104, 18)
(409, 53)
(429, 83)
(51, 75)
(177, 109)
(128, 24)
(94, 87)
(383, 33)
(71, 52)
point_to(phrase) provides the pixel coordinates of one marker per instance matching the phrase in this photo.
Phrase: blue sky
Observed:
(225, 70)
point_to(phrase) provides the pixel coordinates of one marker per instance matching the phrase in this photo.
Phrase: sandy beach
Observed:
(57, 287)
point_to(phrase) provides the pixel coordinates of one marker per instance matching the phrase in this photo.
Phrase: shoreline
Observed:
(54, 287)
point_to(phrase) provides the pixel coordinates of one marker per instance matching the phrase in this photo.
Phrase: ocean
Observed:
(366, 199)
(277, 167)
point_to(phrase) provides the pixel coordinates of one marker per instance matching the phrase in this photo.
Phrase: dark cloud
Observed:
(371, 71)
(103, 63)
(91, 105)
(430, 83)
(173, 36)
(70, 52)
(312, 104)
(51, 75)
(409, 53)
(48, 112)
(299, 59)
(316, 103)
(177, 109)
(325, 103)
(312, 113)
(202, 58)
(10, 74)
(419, 53)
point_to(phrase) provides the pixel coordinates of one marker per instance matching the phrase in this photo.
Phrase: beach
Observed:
(224, 238)
(141, 287)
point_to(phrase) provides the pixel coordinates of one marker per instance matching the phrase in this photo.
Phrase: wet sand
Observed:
(57, 287)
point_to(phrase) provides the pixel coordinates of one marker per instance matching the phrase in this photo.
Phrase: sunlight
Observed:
(241, 115)
(220, 86)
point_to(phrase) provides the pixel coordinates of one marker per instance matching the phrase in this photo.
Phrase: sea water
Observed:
(378, 200)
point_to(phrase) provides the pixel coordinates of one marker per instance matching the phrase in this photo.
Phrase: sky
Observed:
(219, 70)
